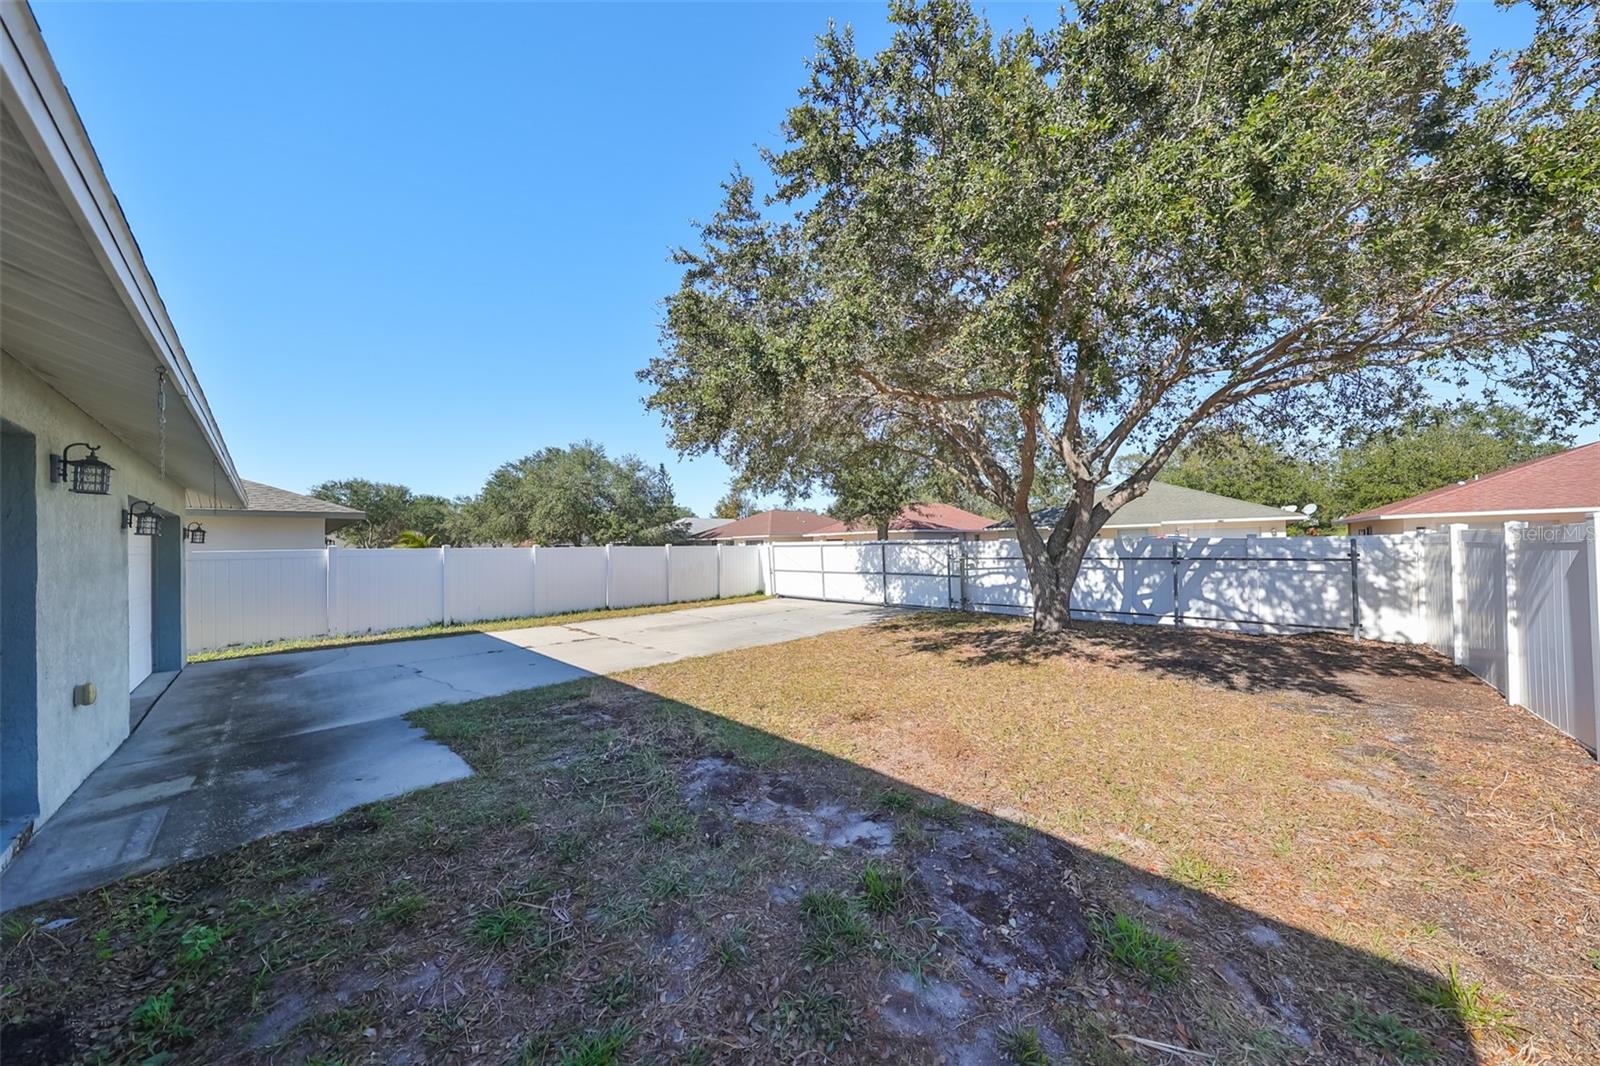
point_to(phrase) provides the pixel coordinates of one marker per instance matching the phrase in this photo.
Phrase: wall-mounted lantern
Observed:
(141, 517)
(194, 533)
(88, 474)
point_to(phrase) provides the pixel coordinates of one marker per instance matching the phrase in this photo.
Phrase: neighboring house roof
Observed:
(769, 524)
(81, 309)
(695, 526)
(269, 501)
(1170, 505)
(918, 516)
(1566, 481)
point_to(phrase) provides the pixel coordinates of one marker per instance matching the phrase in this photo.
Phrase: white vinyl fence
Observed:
(1519, 606)
(249, 597)
(1263, 584)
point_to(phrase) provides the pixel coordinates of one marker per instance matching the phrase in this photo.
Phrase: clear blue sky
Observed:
(410, 242)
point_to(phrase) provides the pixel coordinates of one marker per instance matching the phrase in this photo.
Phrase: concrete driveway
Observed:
(243, 748)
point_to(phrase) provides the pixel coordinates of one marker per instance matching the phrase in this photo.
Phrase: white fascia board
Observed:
(48, 119)
(1406, 517)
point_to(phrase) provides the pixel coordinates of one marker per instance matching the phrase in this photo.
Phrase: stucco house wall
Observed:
(82, 587)
(228, 533)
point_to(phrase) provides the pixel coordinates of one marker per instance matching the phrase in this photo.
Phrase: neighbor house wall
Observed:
(259, 532)
(82, 611)
(1434, 525)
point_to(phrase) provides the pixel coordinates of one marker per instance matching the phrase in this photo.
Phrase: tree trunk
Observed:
(1052, 581)
(1053, 565)
(883, 529)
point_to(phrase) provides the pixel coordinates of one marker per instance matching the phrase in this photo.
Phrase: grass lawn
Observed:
(238, 651)
(935, 839)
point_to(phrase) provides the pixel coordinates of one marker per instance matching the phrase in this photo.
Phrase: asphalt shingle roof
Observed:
(1566, 481)
(1164, 503)
(768, 524)
(269, 499)
(926, 516)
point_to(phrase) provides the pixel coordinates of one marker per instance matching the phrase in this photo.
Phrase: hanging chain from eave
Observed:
(161, 414)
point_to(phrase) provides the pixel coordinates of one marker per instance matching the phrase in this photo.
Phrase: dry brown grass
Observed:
(1372, 795)
(1281, 850)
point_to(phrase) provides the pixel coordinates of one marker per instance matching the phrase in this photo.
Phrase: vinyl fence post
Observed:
(719, 570)
(883, 569)
(533, 580)
(1592, 549)
(666, 556)
(1516, 661)
(1458, 593)
(966, 597)
(1355, 589)
(330, 605)
(608, 577)
(444, 596)
(1177, 606)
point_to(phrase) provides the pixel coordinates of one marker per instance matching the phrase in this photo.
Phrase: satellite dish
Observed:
(1309, 508)
(1291, 508)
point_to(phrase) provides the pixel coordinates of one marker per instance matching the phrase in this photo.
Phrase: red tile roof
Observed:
(768, 524)
(934, 516)
(1566, 481)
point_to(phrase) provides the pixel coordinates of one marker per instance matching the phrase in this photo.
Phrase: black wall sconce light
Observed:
(194, 533)
(88, 474)
(141, 517)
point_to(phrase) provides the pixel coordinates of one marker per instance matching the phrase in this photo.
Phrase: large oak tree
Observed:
(1087, 241)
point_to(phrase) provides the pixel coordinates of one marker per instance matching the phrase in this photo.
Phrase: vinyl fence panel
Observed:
(1484, 598)
(385, 588)
(569, 579)
(996, 577)
(485, 583)
(691, 572)
(740, 569)
(1438, 594)
(249, 597)
(235, 597)
(1125, 581)
(853, 573)
(638, 577)
(1392, 586)
(797, 571)
(922, 573)
(1555, 614)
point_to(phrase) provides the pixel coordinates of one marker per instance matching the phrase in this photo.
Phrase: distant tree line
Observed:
(1434, 447)
(573, 495)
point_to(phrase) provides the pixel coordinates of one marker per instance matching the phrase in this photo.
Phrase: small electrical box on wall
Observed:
(83, 695)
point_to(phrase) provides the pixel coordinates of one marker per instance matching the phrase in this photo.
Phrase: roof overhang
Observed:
(1406, 516)
(80, 307)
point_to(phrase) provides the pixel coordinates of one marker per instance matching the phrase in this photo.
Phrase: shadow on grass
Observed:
(1309, 663)
(632, 878)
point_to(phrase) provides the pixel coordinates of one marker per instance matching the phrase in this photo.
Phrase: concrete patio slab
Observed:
(243, 748)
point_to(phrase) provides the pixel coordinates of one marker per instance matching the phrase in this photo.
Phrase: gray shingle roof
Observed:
(271, 500)
(1165, 503)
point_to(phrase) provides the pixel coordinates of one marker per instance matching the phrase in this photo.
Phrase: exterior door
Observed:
(140, 584)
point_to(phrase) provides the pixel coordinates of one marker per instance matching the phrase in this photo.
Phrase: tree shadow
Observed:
(1317, 664)
(723, 870)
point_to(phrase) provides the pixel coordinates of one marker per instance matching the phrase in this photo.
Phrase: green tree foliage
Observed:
(1145, 219)
(391, 509)
(575, 495)
(1434, 448)
(876, 485)
(736, 503)
(1236, 463)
